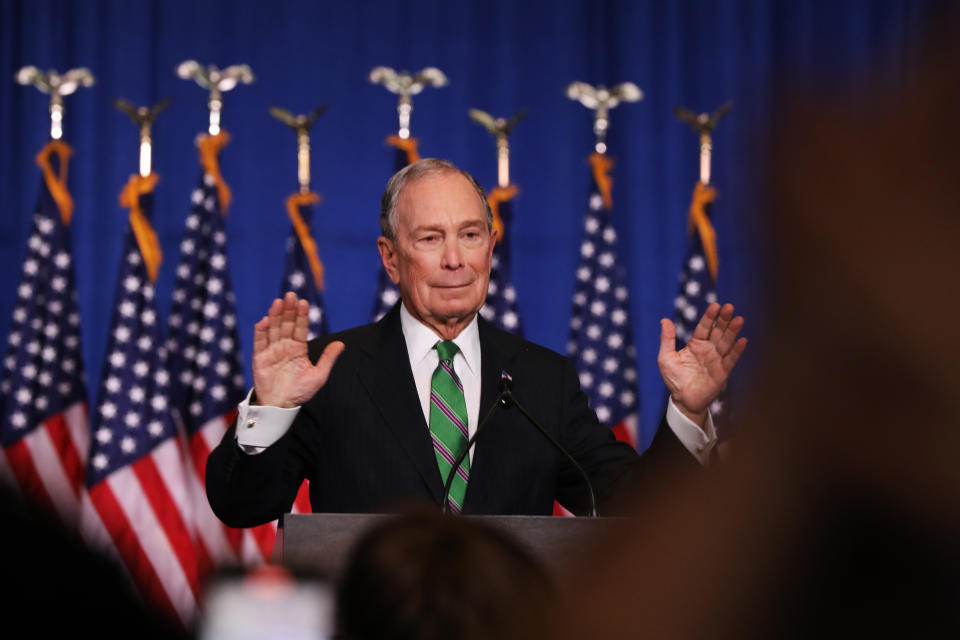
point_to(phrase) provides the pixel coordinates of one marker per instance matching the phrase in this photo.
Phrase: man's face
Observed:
(440, 258)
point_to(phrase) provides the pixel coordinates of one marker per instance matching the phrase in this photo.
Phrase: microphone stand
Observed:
(506, 399)
(463, 454)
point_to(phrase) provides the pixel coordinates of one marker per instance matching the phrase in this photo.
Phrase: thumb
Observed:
(668, 338)
(326, 361)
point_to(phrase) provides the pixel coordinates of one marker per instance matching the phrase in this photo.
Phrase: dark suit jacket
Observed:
(363, 443)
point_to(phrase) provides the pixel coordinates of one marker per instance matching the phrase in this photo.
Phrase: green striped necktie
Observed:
(448, 422)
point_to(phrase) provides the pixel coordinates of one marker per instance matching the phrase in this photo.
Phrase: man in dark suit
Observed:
(369, 431)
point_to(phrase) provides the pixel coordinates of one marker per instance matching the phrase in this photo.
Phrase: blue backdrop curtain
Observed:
(500, 55)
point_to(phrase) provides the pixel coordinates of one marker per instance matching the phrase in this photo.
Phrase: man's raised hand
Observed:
(283, 375)
(697, 374)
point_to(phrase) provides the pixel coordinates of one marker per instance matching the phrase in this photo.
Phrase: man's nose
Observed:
(452, 255)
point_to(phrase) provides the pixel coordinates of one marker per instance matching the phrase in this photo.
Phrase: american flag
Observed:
(500, 307)
(601, 337)
(302, 268)
(303, 274)
(44, 433)
(387, 293)
(205, 364)
(697, 281)
(137, 473)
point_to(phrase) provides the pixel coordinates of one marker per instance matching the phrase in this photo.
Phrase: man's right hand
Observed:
(283, 375)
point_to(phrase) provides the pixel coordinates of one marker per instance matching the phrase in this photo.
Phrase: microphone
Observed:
(506, 389)
(506, 399)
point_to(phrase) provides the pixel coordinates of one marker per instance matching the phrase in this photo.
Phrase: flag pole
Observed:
(601, 100)
(500, 129)
(703, 125)
(304, 197)
(217, 82)
(143, 117)
(57, 86)
(405, 85)
(301, 124)
(500, 306)
(142, 184)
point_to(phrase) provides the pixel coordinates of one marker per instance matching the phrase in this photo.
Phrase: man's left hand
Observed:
(697, 374)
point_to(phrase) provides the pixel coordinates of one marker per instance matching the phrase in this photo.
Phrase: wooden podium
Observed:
(321, 543)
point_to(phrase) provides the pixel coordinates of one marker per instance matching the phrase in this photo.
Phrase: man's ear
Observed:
(493, 242)
(388, 254)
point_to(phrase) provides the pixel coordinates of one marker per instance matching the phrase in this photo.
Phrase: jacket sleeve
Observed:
(616, 471)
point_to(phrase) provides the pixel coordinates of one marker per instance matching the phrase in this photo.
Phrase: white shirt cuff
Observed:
(699, 442)
(259, 426)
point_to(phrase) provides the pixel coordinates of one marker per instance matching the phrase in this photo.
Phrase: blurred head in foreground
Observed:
(837, 513)
(425, 576)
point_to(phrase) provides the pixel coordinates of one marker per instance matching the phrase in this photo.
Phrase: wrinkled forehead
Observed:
(446, 195)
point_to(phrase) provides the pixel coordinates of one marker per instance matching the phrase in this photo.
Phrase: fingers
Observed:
(282, 318)
(260, 339)
(275, 318)
(702, 332)
(720, 327)
(723, 321)
(288, 317)
(724, 336)
(734, 354)
(728, 336)
(301, 328)
(327, 359)
(668, 338)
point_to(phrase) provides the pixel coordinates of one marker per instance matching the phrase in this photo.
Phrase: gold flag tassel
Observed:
(142, 229)
(210, 147)
(601, 174)
(57, 185)
(294, 203)
(704, 195)
(496, 197)
(408, 145)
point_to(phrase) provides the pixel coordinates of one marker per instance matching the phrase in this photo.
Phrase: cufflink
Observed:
(250, 424)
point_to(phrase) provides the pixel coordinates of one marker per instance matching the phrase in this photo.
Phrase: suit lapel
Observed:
(388, 379)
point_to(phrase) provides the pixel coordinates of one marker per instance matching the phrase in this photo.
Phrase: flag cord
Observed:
(142, 229)
(294, 203)
(57, 185)
(704, 195)
(210, 147)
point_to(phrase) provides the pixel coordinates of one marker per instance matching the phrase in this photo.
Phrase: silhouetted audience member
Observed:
(53, 586)
(425, 576)
(837, 513)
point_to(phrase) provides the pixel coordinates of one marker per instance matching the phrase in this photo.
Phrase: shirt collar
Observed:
(420, 340)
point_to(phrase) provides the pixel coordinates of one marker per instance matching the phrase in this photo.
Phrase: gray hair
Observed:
(411, 173)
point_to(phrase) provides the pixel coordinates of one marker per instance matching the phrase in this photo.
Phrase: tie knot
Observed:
(447, 349)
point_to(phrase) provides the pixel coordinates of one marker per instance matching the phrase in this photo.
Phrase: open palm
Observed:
(283, 375)
(696, 374)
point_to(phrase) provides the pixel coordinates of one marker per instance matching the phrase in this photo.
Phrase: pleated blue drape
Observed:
(500, 55)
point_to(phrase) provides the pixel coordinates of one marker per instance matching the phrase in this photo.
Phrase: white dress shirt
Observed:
(260, 426)
(424, 359)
